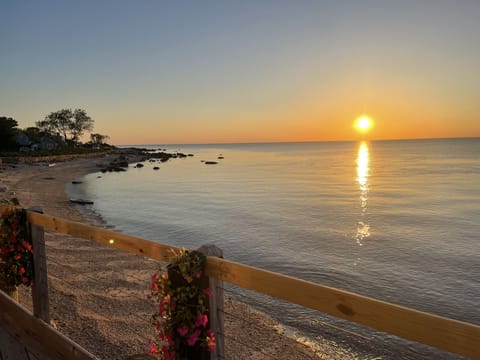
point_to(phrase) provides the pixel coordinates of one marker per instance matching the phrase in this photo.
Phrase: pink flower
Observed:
(193, 338)
(202, 320)
(198, 274)
(188, 278)
(26, 245)
(154, 285)
(183, 330)
(207, 291)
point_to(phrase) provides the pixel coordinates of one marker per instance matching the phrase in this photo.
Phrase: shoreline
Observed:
(98, 294)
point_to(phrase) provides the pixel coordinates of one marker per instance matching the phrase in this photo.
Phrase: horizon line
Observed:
(303, 142)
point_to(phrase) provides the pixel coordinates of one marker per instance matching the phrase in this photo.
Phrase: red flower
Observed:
(18, 257)
(153, 349)
(202, 320)
(207, 291)
(183, 330)
(193, 338)
(21, 270)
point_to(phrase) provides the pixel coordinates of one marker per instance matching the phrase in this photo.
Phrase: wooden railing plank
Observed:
(106, 237)
(36, 335)
(448, 334)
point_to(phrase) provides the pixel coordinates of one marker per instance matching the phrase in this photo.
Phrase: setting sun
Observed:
(363, 124)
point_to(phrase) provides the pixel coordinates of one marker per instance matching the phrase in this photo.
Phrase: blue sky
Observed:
(225, 71)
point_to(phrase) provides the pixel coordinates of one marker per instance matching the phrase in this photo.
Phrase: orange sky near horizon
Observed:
(269, 71)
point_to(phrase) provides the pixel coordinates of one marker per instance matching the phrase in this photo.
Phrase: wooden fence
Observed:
(440, 332)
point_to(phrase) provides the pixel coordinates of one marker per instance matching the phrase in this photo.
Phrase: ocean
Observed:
(393, 220)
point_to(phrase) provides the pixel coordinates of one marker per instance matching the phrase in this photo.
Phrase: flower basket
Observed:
(16, 252)
(181, 325)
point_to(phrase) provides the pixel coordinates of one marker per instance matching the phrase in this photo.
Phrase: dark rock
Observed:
(77, 182)
(211, 162)
(81, 201)
(139, 165)
(221, 157)
(156, 168)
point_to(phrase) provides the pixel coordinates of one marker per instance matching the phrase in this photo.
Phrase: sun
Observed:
(363, 124)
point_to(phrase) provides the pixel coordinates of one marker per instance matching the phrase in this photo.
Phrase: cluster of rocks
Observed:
(141, 155)
(164, 156)
(119, 164)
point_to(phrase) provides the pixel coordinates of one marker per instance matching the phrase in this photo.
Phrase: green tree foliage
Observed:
(8, 131)
(71, 125)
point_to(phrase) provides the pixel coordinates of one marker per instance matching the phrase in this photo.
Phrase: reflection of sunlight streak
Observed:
(363, 158)
(362, 166)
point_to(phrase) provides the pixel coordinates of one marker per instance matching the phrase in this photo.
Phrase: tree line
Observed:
(60, 129)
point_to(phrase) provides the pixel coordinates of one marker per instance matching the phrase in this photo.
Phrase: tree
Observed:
(98, 139)
(8, 131)
(71, 125)
(81, 123)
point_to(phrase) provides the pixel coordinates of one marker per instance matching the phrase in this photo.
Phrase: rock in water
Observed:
(81, 201)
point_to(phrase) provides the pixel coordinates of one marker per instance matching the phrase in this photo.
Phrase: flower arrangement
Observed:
(181, 324)
(16, 254)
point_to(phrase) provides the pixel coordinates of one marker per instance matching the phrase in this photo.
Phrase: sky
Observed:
(178, 72)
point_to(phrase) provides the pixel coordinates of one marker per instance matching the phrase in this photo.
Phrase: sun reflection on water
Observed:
(363, 172)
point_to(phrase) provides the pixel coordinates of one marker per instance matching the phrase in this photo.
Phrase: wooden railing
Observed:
(440, 332)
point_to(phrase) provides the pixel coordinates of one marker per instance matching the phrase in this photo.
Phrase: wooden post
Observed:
(215, 304)
(40, 283)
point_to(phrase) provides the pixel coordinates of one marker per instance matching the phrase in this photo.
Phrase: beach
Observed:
(98, 295)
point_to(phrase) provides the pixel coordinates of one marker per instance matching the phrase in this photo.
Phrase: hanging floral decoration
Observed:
(16, 254)
(182, 324)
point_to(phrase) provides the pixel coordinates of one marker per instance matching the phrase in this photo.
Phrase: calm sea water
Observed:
(394, 220)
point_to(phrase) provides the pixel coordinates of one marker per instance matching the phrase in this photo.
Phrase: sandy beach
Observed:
(98, 295)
